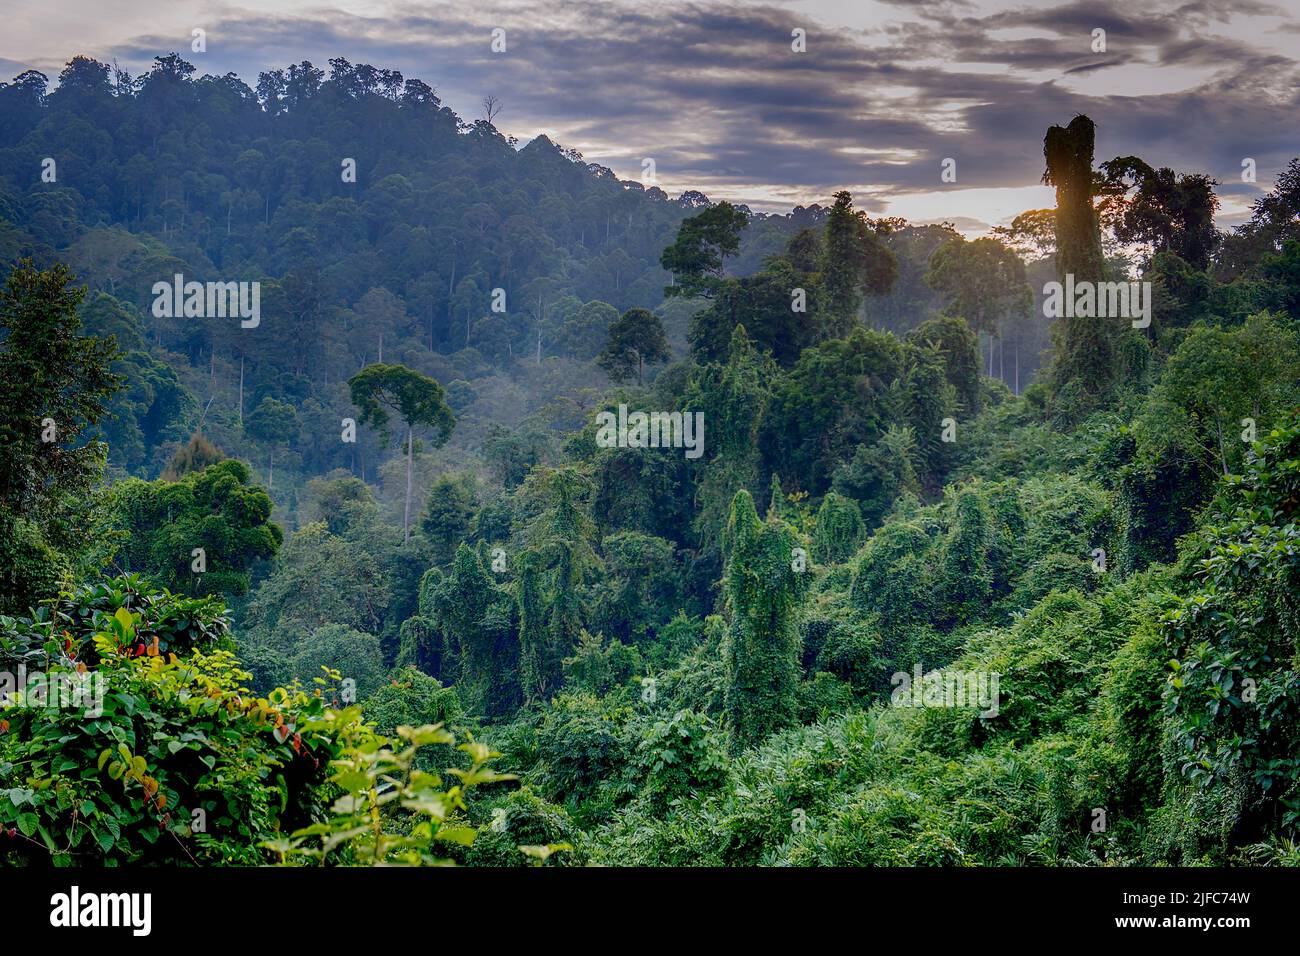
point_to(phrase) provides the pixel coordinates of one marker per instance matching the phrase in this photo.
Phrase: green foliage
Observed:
(703, 242)
(597, 669)
(55, 385)
(448, 515)
(1215, 379)
(521, 822)
(763, 594)
(836, 397)
(390, 812)
(967, 580)
(1233, 691)
(958, 346)
(678, 756)
(839, 530)
(410, 698)
(582, 749)
(177, 762)
(216, 509)
(354, 656)
(636, 340)
(481, 618)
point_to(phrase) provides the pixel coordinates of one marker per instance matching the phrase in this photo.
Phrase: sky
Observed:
(715, 94)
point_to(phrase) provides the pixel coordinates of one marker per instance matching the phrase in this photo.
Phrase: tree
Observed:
(273, 423)
(703, 242)
(879, 474)
(449, 515)
(379, 390)
(1233, 702)
(355, 655)
(381, 315)
(763, 592)
(958, 346)
(554, 570)
(967, 582)
(1085, 346)
(1215, 380)
(1166, 213)
(55, 385)
(839, 530)
(200, 534)
(984, 282)
(198, 454)
(854, 262)
(1031, 234)
(480, 616)
(636, 340)
(581, 332)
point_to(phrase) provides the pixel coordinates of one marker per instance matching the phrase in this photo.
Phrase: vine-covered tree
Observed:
(1085, 346)
(764, 591)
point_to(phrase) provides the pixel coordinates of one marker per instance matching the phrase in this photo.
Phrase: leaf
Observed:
(461, 835)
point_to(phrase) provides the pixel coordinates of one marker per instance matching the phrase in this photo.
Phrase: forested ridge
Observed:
(388, 576)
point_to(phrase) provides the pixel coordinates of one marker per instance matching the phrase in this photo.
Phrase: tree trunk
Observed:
(406, 515)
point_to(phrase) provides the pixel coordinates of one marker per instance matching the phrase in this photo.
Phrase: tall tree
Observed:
(703, 241)
(379, 390)
(636, 340)
(1166, 212)
(764, 592)
(272, 423)
(855, 262)
(1085, 347)
(55, 385)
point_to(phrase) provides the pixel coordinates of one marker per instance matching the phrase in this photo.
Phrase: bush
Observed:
(177, 762)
